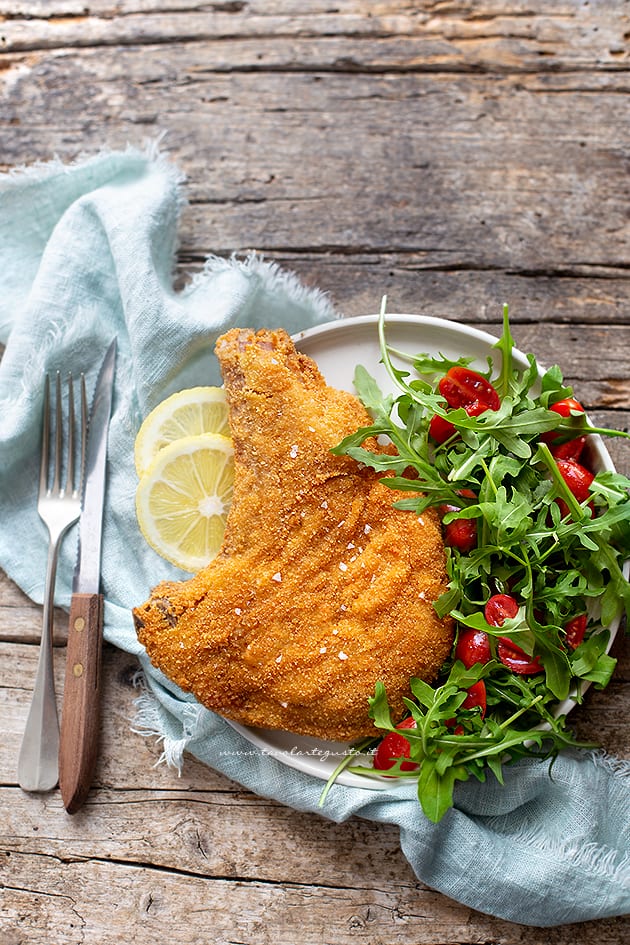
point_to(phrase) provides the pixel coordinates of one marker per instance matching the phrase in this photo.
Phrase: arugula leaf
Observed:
(435, 787)
(371, 396)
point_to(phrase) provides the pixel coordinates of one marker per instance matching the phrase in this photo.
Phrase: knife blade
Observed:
(78, 740)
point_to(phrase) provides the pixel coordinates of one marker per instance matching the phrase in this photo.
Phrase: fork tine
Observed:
(84, 432)
(58, 433)
(69, 486)
(43, 466)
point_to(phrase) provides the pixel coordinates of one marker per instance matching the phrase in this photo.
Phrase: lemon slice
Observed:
(189, 412)
(182, 500)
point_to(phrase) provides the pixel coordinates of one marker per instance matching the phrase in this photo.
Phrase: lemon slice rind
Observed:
(189, 412)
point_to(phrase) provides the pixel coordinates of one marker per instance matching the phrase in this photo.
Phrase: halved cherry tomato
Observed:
(461, 533)
(577, 477)
(565, 510)
(476, 697)
(499, 608)
(473, 646)
(461, 387)
(393, 747)
(442, 430)
(575, 630)
(567, 406)
(517, 659)
(572, 449)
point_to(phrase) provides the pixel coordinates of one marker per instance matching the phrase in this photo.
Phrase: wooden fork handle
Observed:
(80, 719)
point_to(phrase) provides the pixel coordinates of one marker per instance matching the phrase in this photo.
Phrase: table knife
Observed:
(78, 741)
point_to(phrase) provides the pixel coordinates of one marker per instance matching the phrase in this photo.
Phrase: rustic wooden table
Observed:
(452, 155)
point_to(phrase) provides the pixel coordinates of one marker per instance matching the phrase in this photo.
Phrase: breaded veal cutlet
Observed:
(321, 587)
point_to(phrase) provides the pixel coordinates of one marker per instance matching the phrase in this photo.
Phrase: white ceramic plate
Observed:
(337, 348)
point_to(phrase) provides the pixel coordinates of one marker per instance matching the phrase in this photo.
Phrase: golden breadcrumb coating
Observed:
(321, 587)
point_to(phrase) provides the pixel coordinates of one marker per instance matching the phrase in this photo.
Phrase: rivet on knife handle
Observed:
(80, 720)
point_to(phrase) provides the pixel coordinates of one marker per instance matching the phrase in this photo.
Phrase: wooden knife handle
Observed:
(80, 719)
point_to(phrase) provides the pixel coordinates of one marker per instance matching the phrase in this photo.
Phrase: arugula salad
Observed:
(536, 542)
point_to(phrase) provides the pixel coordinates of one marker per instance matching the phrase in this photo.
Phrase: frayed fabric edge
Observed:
(148, 723)
(274, 277)
(150, 150)
(152, 720)
(617, 766)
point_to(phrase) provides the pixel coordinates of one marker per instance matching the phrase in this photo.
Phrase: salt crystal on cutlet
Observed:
(276, 577)
(342, 655)
(343, 566)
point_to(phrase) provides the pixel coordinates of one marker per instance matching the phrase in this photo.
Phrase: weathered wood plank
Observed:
(357, 281)
(229, 835)
(50, 902)
(403, 36)
(518, 179)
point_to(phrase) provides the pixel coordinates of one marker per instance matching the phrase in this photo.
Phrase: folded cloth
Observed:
(87, 253)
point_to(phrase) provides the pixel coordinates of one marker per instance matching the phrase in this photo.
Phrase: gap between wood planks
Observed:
(178, 871)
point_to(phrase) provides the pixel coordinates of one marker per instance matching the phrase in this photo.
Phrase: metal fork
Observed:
(59, 506)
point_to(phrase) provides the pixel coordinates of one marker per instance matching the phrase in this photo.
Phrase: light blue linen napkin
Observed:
(87, 252)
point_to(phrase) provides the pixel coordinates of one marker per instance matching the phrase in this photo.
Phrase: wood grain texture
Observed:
(453, 155)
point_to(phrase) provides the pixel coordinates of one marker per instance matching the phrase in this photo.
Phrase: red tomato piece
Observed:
(499, 608)
(517, 659)
(476, 697)
(575, 630)
(564, 508)
(466, 493)
(461, 533)
(461, 387)
(393, 747)
(567, 406)
(476, 408)
(577, 477)
(572, 449)
(473, 646)
(440, 429)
